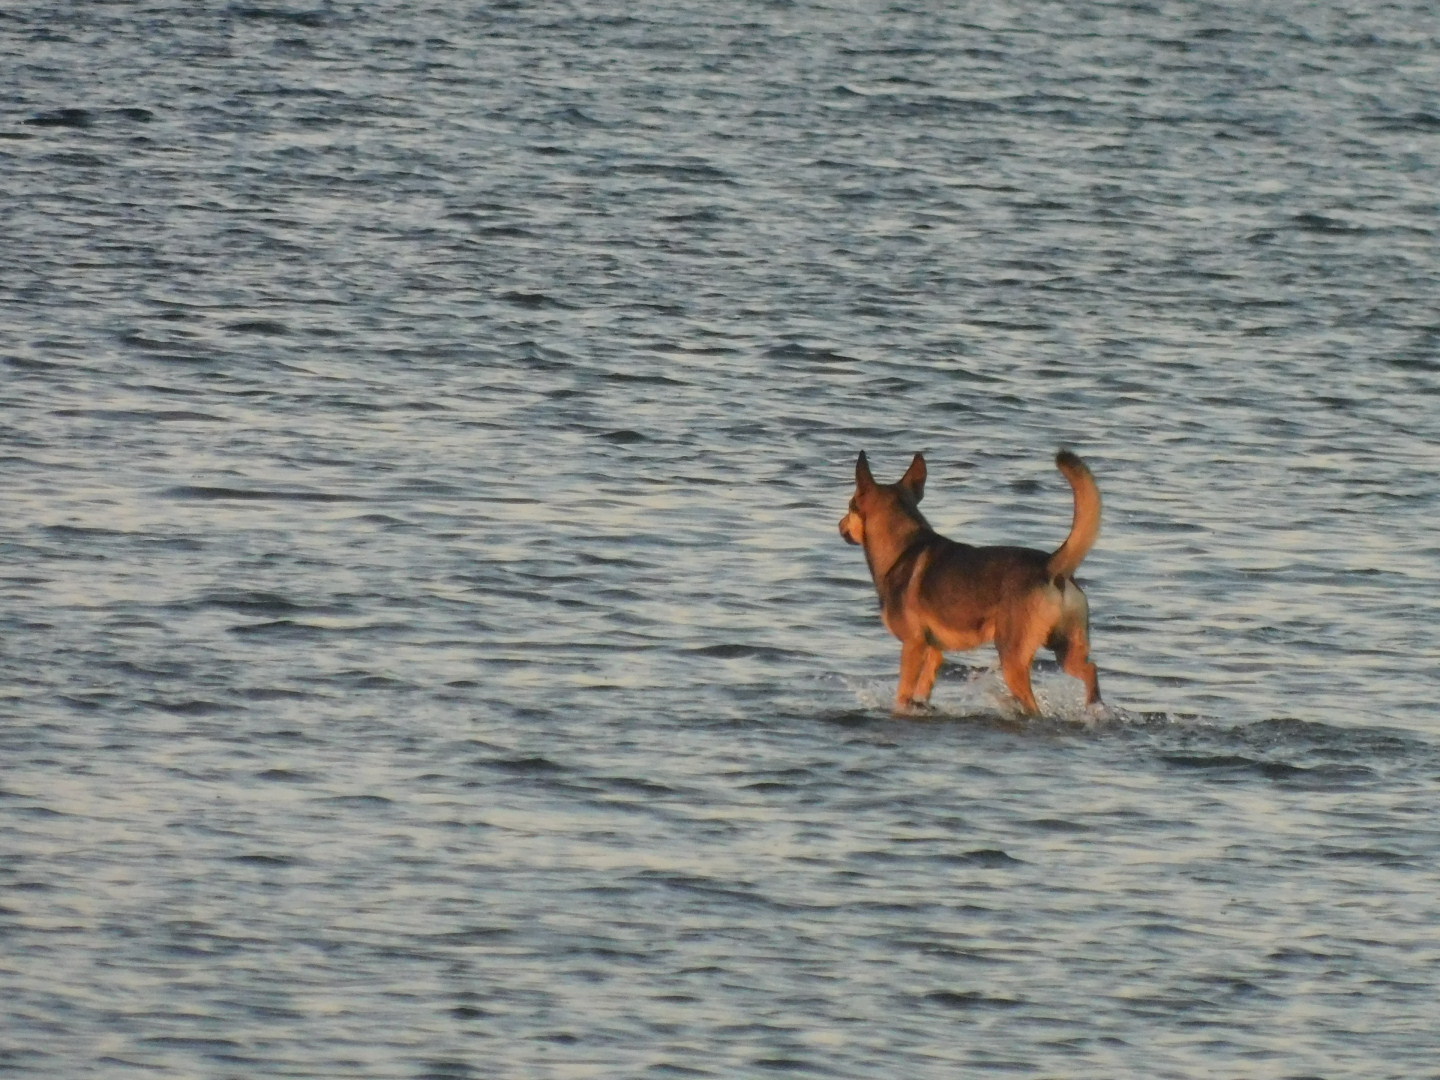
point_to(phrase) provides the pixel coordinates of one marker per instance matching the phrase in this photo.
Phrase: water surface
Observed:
(428, 648)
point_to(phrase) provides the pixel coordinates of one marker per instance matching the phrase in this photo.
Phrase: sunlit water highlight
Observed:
(428, 648)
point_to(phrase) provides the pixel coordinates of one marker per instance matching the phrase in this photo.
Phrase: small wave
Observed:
(362, 801)
(969, 999)
(1058, 825)
(259, 859)
(195, 707)
(81, 531)
(927, 105)
(474, 935)
(26, 363)
(637, 785)
(851, 718)
(288, 776)
(264, 327)
(63, 118)
(684, 173)
(274, 693)
(624, 437)
(1421, 122)
(642, 379)
(1209, 761)
(314, 19)
(532, 300)
(314, 628)
(715, 889)
(168, 350)
(987, 858)
(1270, 770)
(809, 354)
(534, 765)
(193, 1043)
(577, 117)
(1380, 856)
(277, 628)
(1295, 753)
(77, 160)
(1320, 223)
(251, 603)
(368, 680)
(203, 493)
(738, 651)
(501, 232)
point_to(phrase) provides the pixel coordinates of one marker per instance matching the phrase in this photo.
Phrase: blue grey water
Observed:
(427, 646)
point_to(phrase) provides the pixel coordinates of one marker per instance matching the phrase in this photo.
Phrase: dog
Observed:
(938, 595)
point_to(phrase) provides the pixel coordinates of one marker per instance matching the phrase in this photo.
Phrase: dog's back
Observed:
(958, 592)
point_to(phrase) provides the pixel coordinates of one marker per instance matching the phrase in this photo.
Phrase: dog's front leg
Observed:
(919, 664)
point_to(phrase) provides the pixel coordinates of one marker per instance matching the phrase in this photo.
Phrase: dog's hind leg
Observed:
(1073, 652)
(1071, 642)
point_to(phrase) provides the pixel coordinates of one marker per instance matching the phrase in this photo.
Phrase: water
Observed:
(428, 648)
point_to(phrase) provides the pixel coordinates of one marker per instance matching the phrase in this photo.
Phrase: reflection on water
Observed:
(428, 651)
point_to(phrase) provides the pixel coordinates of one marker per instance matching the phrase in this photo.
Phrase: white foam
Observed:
(971, 692)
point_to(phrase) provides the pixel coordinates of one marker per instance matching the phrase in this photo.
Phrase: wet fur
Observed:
(938, 595)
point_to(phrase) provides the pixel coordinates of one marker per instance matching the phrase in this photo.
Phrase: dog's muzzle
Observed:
(845, 531)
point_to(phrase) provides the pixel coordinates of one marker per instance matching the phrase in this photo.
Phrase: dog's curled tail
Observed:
(1086, 526)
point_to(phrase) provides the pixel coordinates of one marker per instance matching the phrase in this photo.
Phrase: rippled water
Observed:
(428, 648)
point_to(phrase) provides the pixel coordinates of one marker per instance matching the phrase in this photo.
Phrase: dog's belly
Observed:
(936, 631)
(959, 638)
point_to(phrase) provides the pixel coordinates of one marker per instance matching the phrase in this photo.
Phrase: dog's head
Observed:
(874, 501)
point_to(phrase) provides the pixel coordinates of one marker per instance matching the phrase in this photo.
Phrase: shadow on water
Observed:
(1299, 753)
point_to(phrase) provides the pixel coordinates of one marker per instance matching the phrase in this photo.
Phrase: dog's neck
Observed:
(886, 547)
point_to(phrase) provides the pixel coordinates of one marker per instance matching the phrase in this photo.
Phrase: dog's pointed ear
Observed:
(864, 478)
(914, 479)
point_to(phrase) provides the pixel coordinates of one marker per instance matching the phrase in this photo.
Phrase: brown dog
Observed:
(937, 595)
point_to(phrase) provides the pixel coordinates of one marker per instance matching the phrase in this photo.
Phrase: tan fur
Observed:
(938, 595)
